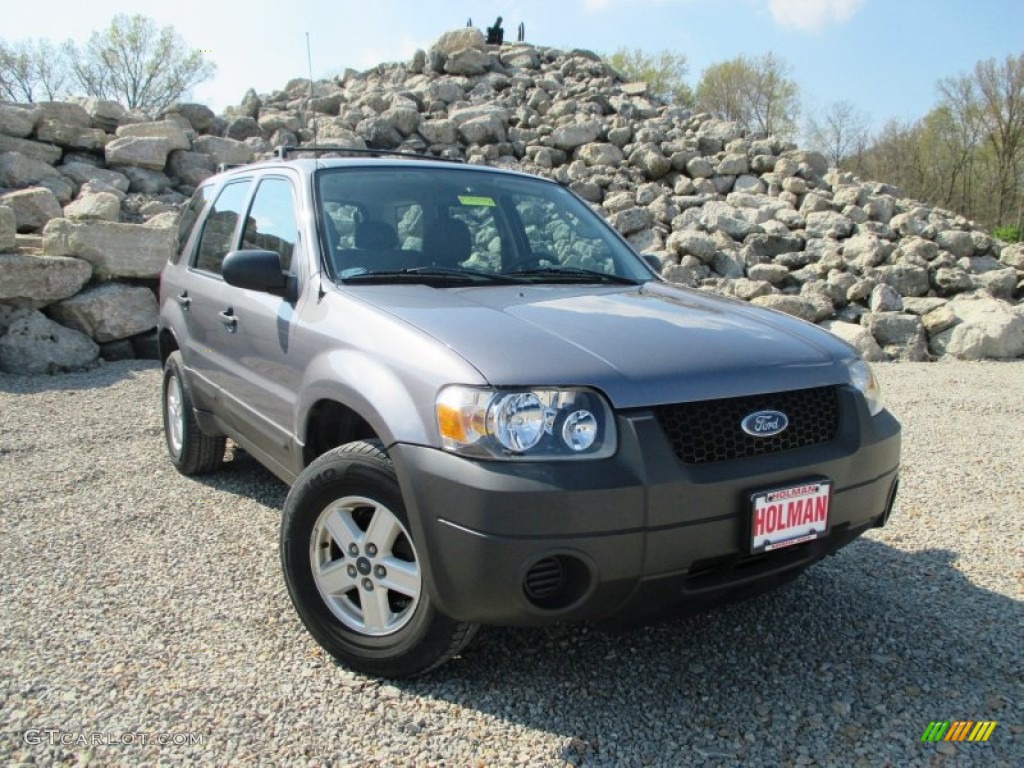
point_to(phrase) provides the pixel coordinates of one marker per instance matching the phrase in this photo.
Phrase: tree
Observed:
(30, 70)
(135, 63)
(841, 133)
(754, 91)
(663, 72)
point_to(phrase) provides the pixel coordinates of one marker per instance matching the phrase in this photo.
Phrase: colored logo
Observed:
(958, 730)
(765, 423)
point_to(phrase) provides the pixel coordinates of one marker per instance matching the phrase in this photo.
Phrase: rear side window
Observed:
(188, 220)
(220, 225)
(271, 222)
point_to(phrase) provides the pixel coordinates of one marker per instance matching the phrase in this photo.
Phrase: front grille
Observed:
(710, 430)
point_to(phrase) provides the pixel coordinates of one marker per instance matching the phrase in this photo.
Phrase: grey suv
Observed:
(490, 410)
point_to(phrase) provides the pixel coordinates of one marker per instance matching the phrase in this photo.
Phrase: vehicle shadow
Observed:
(864, 650)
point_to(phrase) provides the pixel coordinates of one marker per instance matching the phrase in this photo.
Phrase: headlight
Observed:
(862, 377)
(542, 423)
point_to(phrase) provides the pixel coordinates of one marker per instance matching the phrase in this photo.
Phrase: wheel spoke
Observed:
(383, 529)
(402, 577)
(377, 615)
(343, 528)
(333, 578)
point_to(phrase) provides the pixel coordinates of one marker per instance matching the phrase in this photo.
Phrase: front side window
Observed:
(188, 220)
(270, 224)
(219, 228)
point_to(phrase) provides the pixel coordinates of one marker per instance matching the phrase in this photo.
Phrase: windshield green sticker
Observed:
(471, 200)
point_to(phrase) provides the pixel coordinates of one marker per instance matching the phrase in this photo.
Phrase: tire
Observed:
(192, 452)
(353, 572)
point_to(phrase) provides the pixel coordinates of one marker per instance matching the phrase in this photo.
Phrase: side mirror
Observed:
(254, 270)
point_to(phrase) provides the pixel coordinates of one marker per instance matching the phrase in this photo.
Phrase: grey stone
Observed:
(938, 320)
(64, 112)
(108, 312)
(17, 120)
(101, 205)
(83, 173)
(35, 344)
(192, 168)
(35, 281)
(240, 129)
(438, 131)
(601, 154)
(467, 61)
(727, 265)
(485, 129)
(797, 306)
(568, 137)
(922, 305)
(1013, 256)
(1000, 283)
(950, 280)
(772, 273)
(894, 327)
(459, 39)
(142, 151)
(858, 337)
(271, 121)
(37, 150)
(71, 136)
(224, 150)
(649, 159)
(986, 328)
(697, 244)
(700, 168)
(733, 165)
(885, 298)
(146, 181)
(908, 224)
(114, 250)
(631, 220)
(907, 280)
(18, 170)
(104, 114)
(32, 207)
(960, 244)
(749, 185)
(199, 116)
(8, 228)
(828, 224)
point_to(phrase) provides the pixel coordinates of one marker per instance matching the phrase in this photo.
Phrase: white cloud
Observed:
(812, 15)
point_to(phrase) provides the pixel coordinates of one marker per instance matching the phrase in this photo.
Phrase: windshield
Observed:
(431, 224)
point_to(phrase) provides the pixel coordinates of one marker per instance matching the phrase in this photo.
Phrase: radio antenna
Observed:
(309, 60)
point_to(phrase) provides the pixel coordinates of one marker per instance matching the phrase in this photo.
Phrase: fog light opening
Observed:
(556, 582)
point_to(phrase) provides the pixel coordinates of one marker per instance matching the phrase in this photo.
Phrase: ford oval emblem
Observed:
(765, 423)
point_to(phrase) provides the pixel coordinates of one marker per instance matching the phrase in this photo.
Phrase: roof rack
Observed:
(283, 151)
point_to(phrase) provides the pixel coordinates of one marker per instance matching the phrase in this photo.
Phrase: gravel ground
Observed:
(144, 620)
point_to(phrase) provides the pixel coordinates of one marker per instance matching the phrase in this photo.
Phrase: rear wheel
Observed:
(192, 452)
(353, 571)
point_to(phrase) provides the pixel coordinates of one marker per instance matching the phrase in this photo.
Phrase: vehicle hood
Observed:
(640, 345)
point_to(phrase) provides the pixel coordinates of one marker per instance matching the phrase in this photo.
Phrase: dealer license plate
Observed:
(783, 517)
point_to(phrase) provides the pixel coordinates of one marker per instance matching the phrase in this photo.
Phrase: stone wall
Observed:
(89, 193)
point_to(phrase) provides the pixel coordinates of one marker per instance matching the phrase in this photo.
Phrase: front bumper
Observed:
(637, 534)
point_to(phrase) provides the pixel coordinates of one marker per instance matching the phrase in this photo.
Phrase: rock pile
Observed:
(90, 190)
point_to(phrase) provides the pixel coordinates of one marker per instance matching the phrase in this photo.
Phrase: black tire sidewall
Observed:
(426, 637)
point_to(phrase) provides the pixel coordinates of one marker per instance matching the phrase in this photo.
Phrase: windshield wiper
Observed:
(576, 274)
(450, 275)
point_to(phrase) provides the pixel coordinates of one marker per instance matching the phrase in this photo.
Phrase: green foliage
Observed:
(755, 91)
(1007, 234)
(664, 73)
(133, 62)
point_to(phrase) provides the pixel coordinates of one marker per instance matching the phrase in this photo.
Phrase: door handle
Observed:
(184, 300)
(230, 322)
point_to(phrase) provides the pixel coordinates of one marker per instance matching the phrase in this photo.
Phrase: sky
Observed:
(884, 56)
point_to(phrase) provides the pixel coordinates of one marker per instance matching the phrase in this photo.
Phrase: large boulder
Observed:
(36, 344)
(37, 150)
(18, 170)
(17, 120)
(35, 281)
(858, 337)
(32, 207)
(460, 39)
(108, 312)
(98, 205)
(114, 250)
(71, 136)
(141, 151)
(83, 173)
(568, 137)
(169, 130)
(222, 150)
(985, 328)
